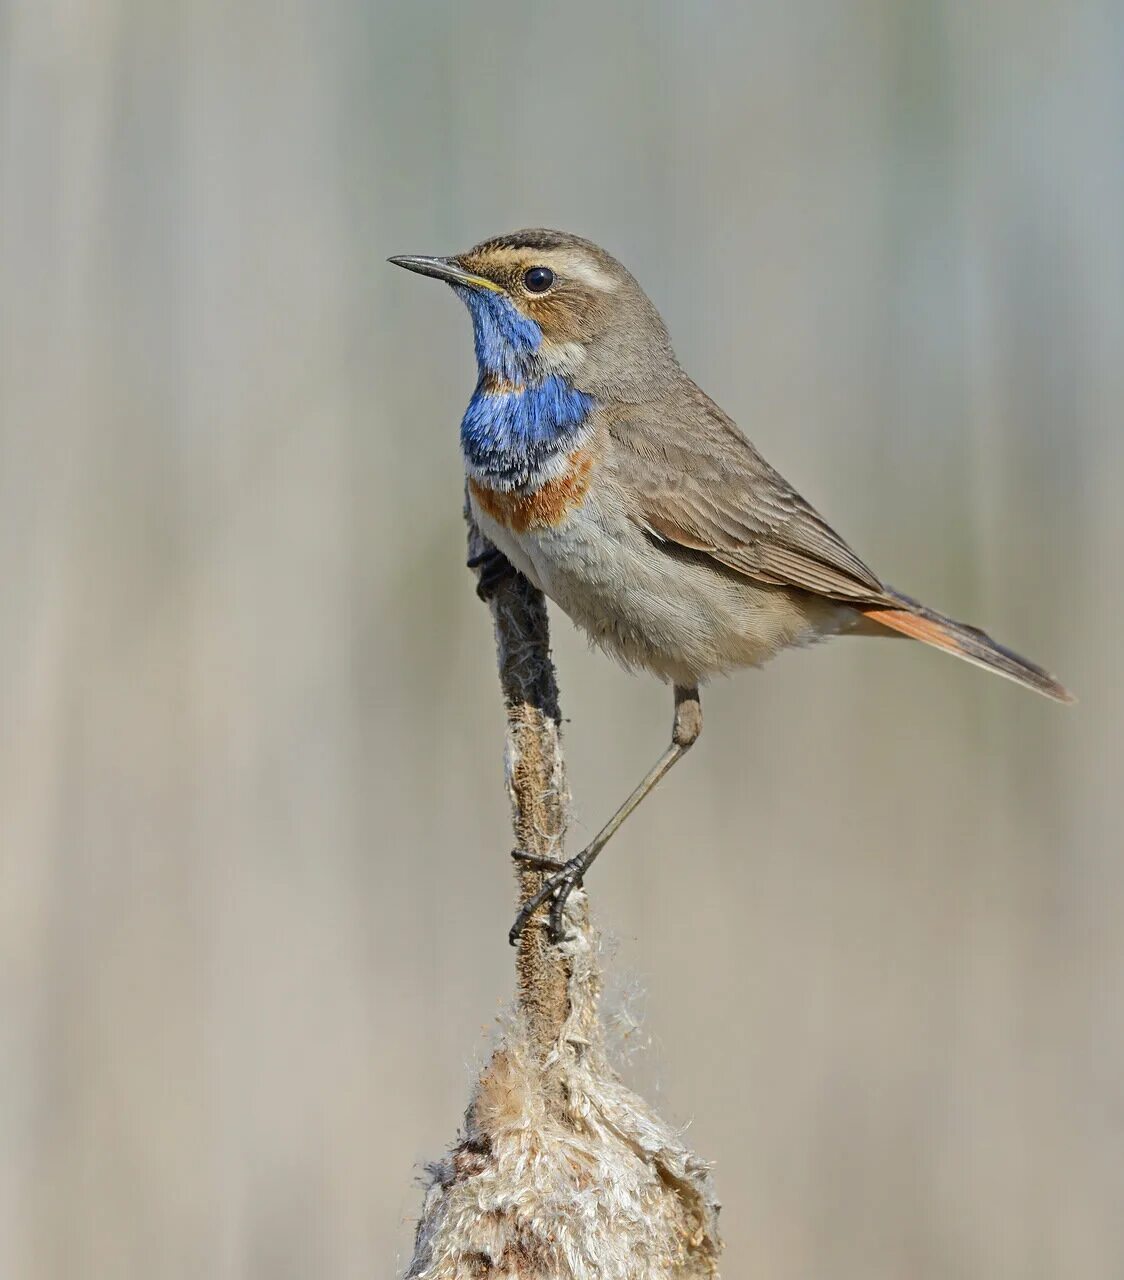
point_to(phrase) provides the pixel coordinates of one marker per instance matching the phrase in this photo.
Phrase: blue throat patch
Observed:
(507, 436)
(516, 420)
(506, 340)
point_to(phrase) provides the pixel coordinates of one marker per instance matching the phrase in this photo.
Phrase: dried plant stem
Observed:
(561, 1171)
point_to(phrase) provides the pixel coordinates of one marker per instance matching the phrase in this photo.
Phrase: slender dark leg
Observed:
(568, 875)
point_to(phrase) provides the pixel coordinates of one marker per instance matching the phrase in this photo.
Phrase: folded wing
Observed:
(698, 483)
(702, 485)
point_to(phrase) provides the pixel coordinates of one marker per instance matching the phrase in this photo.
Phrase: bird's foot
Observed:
(533, 862)
(565, 877)
(495, 569)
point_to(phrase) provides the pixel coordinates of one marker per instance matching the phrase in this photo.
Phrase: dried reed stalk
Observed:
(561, 1170)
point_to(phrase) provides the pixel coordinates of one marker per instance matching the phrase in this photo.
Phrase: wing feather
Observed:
(699, 483)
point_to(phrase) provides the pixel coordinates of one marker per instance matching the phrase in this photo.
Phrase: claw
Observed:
(495, 568)
(558, 887)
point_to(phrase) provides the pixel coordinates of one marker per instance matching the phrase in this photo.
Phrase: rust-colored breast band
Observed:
(545, 507)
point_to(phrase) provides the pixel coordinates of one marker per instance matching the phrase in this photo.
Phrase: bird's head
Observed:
(547, 304)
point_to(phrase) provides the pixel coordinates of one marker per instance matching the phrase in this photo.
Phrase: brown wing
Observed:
(699, 483)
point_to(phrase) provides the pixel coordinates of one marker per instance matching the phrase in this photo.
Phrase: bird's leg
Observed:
(494, 568)
(566, 876)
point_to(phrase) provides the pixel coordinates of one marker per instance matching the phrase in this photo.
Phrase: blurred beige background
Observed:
(255, 882)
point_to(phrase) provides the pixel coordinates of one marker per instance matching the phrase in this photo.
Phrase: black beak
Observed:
(447, 269)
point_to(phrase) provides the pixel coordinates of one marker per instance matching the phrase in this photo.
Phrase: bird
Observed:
(600, 471)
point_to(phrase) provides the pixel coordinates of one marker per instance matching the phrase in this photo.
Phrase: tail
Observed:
(906, 616)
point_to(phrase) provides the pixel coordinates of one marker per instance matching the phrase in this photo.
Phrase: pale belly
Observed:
(670, 613)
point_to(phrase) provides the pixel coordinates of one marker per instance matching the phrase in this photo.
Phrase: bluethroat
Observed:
(598, 469)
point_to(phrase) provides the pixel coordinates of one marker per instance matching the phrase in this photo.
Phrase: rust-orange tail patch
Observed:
(970, 643)
(915, 626)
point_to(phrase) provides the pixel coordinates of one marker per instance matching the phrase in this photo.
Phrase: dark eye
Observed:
(539, 279)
